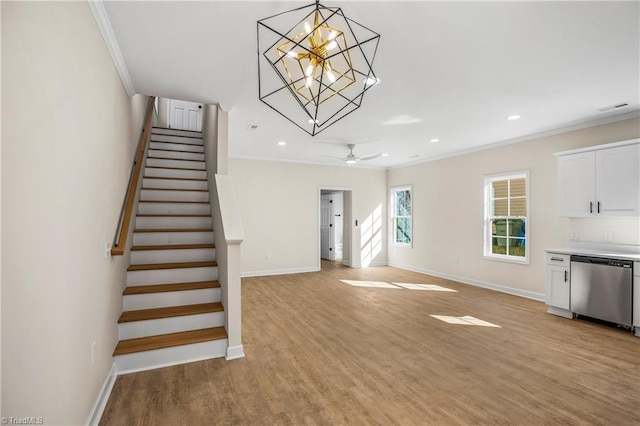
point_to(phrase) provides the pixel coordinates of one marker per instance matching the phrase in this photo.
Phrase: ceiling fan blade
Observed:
(336, 158)
(369, 157)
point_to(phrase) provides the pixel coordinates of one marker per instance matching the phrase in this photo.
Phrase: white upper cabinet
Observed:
(600, 181)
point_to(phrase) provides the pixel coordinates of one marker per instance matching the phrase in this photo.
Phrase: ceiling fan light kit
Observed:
(314, 65)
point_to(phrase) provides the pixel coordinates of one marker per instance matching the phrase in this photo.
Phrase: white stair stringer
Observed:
(134, 302)
(173, 172)
(172, 222)
(171, 146)
(175, 154)
(172, 183)
(167, 238)
(166, 357)
(171, 306)
(140, 256)
(168, 276)
(153, 327)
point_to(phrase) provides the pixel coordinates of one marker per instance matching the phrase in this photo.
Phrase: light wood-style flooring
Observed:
(320, 351)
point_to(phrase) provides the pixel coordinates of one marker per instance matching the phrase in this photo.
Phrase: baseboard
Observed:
(246, 274)
(491, 286)
(234, 352)
(103, 396)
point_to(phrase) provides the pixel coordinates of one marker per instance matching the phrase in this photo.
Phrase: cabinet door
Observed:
(576, 184)
(618, 181)
(558, 288)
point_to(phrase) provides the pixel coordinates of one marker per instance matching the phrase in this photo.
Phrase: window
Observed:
(401, 216)
(506, 229)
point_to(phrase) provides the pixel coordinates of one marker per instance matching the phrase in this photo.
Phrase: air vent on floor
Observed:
(612, 107)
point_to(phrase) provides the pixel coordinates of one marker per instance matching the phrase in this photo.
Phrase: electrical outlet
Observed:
(268, 255)
(574, 235)
(93, 353)
(608, 236)
(107, 250)
(456, 259)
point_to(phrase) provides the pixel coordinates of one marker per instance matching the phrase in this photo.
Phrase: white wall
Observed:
(67, 142)
(279, 207)
(448, 209)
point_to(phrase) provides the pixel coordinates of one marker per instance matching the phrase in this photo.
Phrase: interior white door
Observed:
(327, 236)
(185, 115)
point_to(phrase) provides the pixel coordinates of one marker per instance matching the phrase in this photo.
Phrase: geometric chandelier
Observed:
(314, 65)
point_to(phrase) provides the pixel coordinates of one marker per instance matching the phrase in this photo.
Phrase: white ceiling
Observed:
(459, 67)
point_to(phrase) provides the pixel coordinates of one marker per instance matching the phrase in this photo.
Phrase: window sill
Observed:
(507, 259)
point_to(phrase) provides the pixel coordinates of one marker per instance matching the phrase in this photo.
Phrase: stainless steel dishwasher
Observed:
(602, 288)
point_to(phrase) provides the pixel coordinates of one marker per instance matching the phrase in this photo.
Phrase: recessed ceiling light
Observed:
(385, 155)
(513, 117)
(434, 140)
(282, 143)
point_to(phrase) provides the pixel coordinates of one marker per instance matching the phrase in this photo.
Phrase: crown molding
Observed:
(102, 19)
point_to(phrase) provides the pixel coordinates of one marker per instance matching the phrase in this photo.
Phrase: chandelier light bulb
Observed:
(332, 35)
(332, 78)
(332, 45)
(307, 27)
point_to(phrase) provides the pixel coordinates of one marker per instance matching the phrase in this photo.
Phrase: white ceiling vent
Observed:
(612, 107)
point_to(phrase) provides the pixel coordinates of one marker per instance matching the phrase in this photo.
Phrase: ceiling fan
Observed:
(351, 158)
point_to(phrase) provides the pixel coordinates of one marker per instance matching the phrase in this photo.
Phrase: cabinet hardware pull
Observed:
(598, 206)
(557, 259)
(566, 278)
(590, 206)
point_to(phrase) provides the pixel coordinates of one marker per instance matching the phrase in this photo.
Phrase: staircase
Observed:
(171, 305)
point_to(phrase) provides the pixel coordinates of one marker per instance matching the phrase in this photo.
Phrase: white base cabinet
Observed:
(636, 297)
(558, 291)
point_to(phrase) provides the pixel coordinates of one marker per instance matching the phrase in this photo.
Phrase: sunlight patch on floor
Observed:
(466, 320)
(378, 284)
(427, 287)
(407, 286)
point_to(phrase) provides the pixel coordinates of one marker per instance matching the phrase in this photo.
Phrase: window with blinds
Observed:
(506, 219)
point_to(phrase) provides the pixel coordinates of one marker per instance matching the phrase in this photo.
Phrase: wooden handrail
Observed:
(121, 242)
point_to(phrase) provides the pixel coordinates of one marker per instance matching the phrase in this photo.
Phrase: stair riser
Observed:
(135, 329)
(174, 184)
(176, 147)
(168, 276)
(180, 164)
(134, 302)
(165, 222)
(180, 139)
(174, 208)
(172, 173)
(160, 195)
(175, 132)
(142, 257)
(163, 238)
(149, 360)
(179, 155)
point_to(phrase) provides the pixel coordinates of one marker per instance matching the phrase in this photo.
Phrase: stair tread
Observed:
(171, 215)
(163, 288)
(173, 178)
(175, 168)
(172, 265)
(170, 201)
(175, 189)
(175, 230)
(172, 311)
(174, 150)
(176, 143)
(174, 159)
(174, 247)
(169, 340)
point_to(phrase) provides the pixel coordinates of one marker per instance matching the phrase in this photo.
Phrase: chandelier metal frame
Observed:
(316, 71)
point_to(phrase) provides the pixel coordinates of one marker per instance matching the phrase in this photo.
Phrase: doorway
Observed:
(184, 115)
(334, 226)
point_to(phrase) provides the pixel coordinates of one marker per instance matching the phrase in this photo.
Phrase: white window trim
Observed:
(487, 214)
(392, 216)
